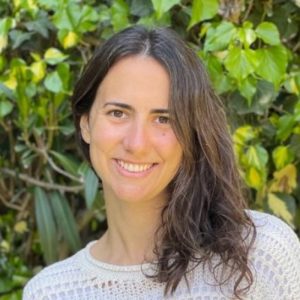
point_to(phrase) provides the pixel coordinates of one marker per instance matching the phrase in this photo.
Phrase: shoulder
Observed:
(275, 255)
(270, 228)
(53, 277)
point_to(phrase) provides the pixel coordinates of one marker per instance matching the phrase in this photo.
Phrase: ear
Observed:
(85, 128)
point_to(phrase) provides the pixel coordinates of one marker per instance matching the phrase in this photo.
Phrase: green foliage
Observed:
(48, 197)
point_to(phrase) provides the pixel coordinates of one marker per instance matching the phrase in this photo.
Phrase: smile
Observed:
(134, 168)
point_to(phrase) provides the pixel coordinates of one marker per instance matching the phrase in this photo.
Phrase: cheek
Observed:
(104, 136)
(170, 146)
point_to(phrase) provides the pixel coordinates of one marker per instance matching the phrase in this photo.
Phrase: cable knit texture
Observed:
(274, 259)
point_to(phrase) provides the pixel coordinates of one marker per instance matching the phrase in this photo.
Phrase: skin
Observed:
(136, 154)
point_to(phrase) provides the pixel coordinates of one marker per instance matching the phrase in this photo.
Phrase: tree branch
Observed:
(46, 185)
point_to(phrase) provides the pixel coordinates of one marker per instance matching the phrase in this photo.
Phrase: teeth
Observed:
(134, 167)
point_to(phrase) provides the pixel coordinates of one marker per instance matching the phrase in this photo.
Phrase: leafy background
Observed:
(49, 202)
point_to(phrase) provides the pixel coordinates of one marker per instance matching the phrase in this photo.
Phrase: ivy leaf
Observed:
(66, 17)
(256, 156)
(162, 6)
(248, 88)
(260, 103)
(53, 82)
(63, 70)
(18, 37)
(50, 4)
(119, 15)
(141, 8)
(68, 38)
(5, 25)
(88, 19)
(5, 108)
(246, 34)
(268, 32)
(220, 81)
(203, 10)
(285, 180)
(272, 63)
(53, 56)
(285, 127)
(254, 178)
(7, 92)
(244, 134)
(282, 156)
(280, 208)
(240, 62)
(38, 68)
(219, 38)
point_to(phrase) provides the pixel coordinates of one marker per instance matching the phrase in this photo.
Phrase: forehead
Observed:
(136, 78)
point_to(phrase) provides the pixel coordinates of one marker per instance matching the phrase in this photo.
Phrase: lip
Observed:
(121, 170)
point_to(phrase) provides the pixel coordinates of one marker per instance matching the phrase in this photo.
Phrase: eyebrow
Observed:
(130, 108)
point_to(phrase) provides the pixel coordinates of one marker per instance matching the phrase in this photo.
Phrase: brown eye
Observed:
(163, 119)
(116, 113)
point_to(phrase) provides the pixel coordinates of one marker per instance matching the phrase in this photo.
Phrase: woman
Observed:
(154, 131)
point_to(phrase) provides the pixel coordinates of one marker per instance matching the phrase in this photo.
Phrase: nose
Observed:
(136, 140)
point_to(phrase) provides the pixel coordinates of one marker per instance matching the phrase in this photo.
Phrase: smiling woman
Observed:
(154, 131)
(141, 154)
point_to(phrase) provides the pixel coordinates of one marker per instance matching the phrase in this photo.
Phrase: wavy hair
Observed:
(205, 213)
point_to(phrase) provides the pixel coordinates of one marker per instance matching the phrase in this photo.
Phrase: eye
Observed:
(116, 113)
(163, 119)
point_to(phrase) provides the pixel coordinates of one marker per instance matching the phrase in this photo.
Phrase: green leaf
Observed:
(221, 81)
(244, 134)
(247, 36)
(5, 25)
(67, 17)
(5, 108)
(68, 39)
(254, 178)
(261, 101)
(162, 6)
(285, 127)
(7, 92)
(46, 225)
(67, 163)
(203, 10)
(279, 207)
(41, 25)
(53, 82)
(18, 37)
(141, 8)
(257, 157)
(91, 185)
(88, 19)
(282, 156)
(219, 38)
(38, 69)
(268, 32)
(53, 56)
(63, 70)
(50, 4)
(248, 88)
(272, 63)
(119, 14)
(240, 62)
(65, 220)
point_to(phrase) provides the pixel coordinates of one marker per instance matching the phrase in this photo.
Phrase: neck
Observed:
(131, 232)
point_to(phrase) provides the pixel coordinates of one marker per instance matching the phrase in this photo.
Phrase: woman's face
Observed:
(133, 148)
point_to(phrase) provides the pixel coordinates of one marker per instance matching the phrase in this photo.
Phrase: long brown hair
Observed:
(206, 209)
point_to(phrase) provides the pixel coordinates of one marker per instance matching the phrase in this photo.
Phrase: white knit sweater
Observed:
(275, 261)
